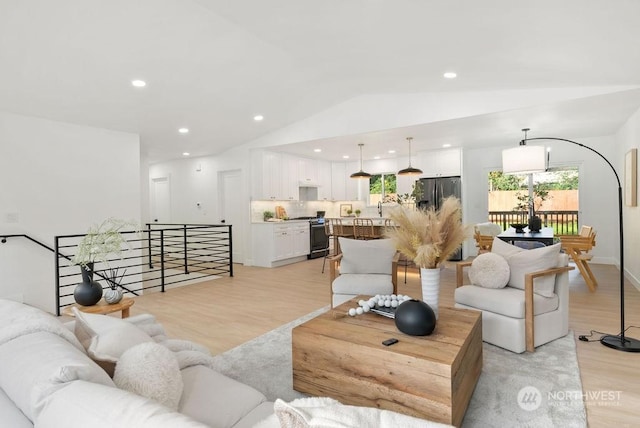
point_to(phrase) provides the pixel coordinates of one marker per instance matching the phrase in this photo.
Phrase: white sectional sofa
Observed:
(59, 375)
(47, 379)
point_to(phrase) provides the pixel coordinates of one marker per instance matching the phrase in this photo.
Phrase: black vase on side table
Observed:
(535, 224)
(88, 292)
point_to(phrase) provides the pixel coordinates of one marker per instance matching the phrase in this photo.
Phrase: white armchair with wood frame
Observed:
(366, 267)
(523, 305)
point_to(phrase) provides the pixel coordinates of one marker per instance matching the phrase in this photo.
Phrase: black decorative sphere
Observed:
(415, 318)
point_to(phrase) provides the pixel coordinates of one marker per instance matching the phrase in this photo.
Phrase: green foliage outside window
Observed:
(383, 186)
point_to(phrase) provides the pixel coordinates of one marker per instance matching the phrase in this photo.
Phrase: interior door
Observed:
(160, 208)
(231, 209)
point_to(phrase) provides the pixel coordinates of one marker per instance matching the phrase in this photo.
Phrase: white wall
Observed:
(598, 187)
(628, 137)
(56, 179)
(196, 180)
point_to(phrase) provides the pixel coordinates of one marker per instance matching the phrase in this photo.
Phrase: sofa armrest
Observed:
(460, 271)
(528, 300)
(394, 272)
(334, 262)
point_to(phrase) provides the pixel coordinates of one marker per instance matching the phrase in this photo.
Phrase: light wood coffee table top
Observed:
(431, 377)
(103, 307)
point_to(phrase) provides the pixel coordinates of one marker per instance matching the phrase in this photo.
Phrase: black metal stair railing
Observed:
(155, 258)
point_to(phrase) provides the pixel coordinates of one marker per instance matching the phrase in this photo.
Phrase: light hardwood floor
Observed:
(227, 312)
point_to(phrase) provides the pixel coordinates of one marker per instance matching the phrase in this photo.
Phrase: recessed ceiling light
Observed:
(186, 154)
(258, 117)
(345, 157)
(317, 150)
(183, 130)
(139, 83)
(392, 151)
(450, 75)
(446, 145)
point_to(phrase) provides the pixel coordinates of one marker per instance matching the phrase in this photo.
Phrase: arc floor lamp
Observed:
(528, 159)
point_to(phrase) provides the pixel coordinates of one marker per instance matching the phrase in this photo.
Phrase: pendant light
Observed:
(410, 170)
(361, 173)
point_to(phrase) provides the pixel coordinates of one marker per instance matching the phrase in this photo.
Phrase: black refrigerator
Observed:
(433, 191)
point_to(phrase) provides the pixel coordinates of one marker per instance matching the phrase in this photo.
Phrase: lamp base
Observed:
(616, 342)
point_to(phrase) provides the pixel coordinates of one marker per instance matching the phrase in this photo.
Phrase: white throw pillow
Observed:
(361, 256)
(105, 338)
(523, 261)
(150, 370)
(489, 270)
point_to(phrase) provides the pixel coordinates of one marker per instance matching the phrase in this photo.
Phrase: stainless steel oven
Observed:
(319, 240)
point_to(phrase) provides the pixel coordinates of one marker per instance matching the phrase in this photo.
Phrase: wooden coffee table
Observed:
(430, 377)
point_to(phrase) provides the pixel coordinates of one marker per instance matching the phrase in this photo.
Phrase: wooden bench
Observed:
(577, 247)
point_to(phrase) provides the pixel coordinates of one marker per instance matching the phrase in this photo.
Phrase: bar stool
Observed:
(329, 230)
(334, 228)
(363, 228)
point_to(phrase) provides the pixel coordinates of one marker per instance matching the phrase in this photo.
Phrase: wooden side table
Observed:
(102, 307)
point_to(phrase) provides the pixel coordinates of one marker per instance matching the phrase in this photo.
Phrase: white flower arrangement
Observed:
(102, 241)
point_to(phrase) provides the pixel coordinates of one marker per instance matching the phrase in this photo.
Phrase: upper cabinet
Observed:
(290, 179)
(440, 163)
(279, 176)
(324, 181)
(267, 175)
(308, 171)
(343, 187)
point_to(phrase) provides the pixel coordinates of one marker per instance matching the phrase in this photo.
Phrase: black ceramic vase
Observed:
(535, 224)
(415, 318)
(88, 292)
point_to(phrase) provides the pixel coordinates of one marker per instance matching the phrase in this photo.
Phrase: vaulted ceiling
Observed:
(212, 65)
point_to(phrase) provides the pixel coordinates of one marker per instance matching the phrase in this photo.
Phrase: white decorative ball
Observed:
(361, 302)
(387, 303)
(352, 312)
(366, 307)
(394, 303)
(359, 311)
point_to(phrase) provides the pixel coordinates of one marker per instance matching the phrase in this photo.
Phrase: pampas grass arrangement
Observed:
(428, 237)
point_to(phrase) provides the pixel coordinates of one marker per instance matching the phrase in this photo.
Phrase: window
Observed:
(554, 194)
(382, 188)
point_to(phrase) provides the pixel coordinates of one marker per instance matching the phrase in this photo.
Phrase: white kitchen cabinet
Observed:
(440, 163)
(290, 181)
(324, 181)
(280, 243)
(301, 237)
(267, 175)
(308, 171)
(343, 187)
(338, 189)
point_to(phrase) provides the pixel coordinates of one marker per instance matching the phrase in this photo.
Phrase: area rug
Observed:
(540, 389)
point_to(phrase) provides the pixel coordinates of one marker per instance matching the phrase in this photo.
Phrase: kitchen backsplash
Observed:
(308, 208)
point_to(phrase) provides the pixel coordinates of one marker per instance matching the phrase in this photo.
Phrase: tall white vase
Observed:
(430, 279)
